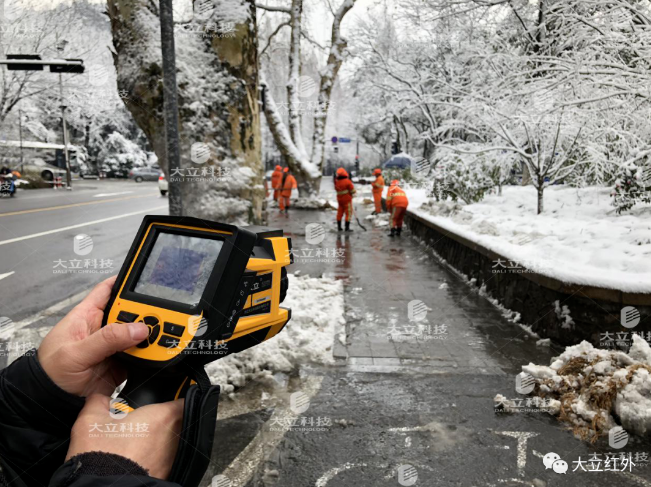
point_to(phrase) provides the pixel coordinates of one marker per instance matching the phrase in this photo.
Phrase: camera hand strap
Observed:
(198, 432)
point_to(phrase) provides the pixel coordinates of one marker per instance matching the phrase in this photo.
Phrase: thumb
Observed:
(110, 339)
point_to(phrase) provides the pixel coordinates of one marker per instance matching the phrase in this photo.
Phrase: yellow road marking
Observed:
(50, 208)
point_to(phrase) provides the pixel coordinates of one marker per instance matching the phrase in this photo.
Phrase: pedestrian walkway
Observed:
(411, 396)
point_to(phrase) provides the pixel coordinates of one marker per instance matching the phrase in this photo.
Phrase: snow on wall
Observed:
(579, 239)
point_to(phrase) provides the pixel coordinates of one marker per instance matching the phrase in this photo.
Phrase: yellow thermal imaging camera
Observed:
(205, 290)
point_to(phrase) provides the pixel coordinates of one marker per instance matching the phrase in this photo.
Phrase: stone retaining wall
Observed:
(540, 300)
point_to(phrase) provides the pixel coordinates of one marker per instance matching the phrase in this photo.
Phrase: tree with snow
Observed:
(218, 92)
(306, 164)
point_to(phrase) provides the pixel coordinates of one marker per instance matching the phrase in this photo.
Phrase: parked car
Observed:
(47, 171)
(140, 174)
(87, 173)
(162, 184)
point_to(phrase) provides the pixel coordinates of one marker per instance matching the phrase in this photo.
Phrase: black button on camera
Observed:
(126, 317)
(169, 342)
(173, 329)
(154, 331)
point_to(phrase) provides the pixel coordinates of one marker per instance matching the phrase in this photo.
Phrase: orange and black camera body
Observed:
(205, 290)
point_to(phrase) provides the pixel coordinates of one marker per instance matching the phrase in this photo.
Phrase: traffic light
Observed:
(357, 163)
(395, 147)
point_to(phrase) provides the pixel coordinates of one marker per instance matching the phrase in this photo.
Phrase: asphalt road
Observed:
(37, 230)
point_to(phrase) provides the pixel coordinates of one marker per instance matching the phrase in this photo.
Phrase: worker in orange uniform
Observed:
(276, 179)
(397, 203)
(378, 187)
(287, 183)
(345, 191)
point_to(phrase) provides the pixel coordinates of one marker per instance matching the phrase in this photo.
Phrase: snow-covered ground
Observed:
(589, 388)
(578, 239)
(317, 306)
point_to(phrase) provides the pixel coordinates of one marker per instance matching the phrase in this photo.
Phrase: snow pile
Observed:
(317, 306)
(311, 204)
(598, 389)
(578, 239)
(381, 220)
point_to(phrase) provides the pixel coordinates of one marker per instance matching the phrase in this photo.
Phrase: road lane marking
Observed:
(2, 276)
(241, 470)
(102, 195)
(52, 310)
(79, 225)
(333, 472)
(522, 437)
(73, 205)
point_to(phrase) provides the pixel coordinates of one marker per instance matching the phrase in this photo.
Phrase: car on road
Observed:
(162, 184)
(47, 171)
(140, 174)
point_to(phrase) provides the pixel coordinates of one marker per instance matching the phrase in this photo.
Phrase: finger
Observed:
(100, 294)
(108, 340)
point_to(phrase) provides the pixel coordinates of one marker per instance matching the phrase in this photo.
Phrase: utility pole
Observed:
(60, 47)
(170, 105)
(65, 136)
(20, 134)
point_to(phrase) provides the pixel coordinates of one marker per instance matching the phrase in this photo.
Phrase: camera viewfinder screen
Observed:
(178, 268)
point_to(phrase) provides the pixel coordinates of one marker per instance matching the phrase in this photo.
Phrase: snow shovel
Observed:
(357, 219)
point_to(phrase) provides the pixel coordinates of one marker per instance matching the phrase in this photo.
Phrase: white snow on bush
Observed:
(598, 389)
(317, 306)
(578, 239)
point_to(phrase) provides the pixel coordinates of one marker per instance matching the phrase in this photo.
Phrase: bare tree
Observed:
(307, 165)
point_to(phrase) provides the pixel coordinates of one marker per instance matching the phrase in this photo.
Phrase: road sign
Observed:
(33, 62)
(344, 140)
(24, 67)
(68, 68)
(334, 140)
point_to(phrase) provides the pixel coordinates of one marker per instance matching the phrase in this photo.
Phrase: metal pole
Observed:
(20, 132)
(65, 136)
(170, 105)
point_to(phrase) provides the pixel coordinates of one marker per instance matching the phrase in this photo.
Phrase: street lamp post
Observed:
(20, 135)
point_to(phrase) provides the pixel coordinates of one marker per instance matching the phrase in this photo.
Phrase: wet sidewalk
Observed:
(410, 399)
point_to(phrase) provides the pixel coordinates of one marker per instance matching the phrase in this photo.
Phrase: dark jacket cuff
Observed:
(103, 464)
(99, 469)
(31, 393)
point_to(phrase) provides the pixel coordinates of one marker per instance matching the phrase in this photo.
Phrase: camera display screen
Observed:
(178, 268)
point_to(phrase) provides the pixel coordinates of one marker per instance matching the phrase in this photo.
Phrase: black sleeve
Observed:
(99, 469)
(35, 423)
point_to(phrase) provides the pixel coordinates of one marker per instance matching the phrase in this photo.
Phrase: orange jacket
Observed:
(378, 185)
(396, 197)
(345, 189)
(288, 183)
(276, 178)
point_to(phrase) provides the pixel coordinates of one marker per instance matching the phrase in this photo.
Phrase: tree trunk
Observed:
(307, 169)
(540, 190)
(217, 74)
(308, 177)
(293, 101)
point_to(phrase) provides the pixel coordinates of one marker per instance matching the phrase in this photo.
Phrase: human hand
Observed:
(76, 353)
(153, 449)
